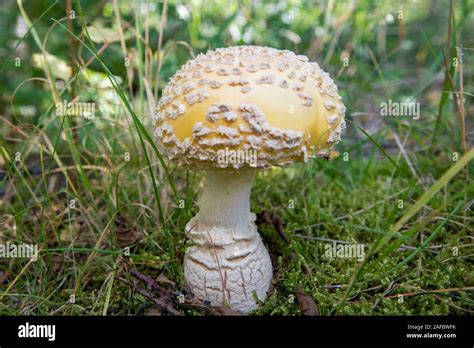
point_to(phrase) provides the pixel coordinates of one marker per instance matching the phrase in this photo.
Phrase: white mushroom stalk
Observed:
(261, 107)
(228, 263)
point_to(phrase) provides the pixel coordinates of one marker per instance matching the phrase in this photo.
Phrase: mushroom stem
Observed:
(226, 198)
(228, 262)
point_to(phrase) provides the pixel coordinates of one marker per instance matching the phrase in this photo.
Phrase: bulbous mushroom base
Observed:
(229, 268)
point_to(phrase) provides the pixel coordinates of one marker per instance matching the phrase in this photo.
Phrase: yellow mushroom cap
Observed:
(248, 100)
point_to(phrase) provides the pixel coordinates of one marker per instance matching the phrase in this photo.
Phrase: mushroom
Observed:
(231, 112)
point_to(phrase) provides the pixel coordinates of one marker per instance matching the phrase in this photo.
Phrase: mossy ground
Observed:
(318, 193)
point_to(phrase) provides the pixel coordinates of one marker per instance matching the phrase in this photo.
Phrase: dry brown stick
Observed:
(150, 283)
(436, 291)
(426, 292)
(17, 129)
(158, 302)
(385, 293)
(192, 303)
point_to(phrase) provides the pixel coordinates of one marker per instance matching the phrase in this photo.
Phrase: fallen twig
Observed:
(161, 304)
(167, 297)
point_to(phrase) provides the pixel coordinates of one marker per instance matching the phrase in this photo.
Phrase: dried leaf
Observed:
(224, 311)
(3, 277)
(306, 302)
(163, 280)
(57, 262)
(154, 312)
(266, 217)
(126, 233)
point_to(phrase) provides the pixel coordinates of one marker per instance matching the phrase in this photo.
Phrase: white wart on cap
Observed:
(274, 102)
